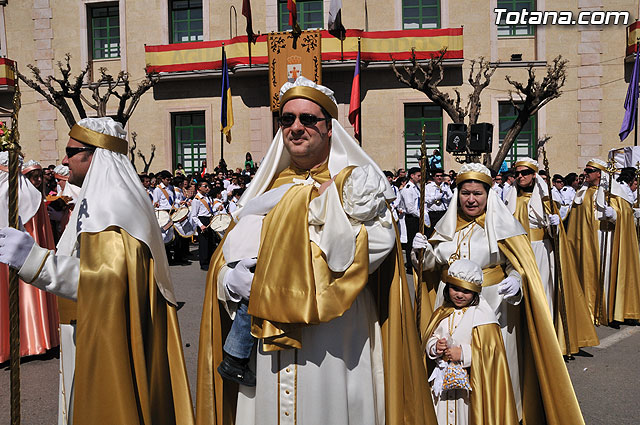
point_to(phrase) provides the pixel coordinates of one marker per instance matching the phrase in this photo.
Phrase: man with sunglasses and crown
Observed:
(530, 205)
(121, 353)
(603, 240)
(314, 250)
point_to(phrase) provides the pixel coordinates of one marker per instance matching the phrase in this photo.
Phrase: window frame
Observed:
(512, 155)
(92, 28)
(301, 5)
(420, 6)
(189, 20)
(510, 5)
(410, 145)
(177, 143)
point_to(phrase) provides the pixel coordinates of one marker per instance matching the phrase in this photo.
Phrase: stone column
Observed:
(43, 37)
(589, 92)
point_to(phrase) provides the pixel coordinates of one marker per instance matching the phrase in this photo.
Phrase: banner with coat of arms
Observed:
(286, 62)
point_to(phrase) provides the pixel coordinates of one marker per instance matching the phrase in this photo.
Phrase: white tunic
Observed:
(337, 377)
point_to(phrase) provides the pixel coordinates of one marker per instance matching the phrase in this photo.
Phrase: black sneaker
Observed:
(237, 372)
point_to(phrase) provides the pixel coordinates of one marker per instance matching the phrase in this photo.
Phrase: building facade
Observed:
(181, 114)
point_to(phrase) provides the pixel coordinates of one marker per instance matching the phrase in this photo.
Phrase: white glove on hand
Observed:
(609, 214)
(15, 246)
(636, 213)
(238, 279)
(554, 219)
(420, 242)
(509, 287)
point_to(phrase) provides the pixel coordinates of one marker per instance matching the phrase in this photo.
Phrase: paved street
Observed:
(606, 378)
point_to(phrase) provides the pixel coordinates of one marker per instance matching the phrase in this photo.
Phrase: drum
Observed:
(219, 223)
(166, 225)
(180, 215)
(185, 228)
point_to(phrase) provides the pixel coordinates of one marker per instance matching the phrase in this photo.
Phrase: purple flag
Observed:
(631, 101)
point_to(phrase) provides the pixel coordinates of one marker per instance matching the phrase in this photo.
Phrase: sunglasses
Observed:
(74, 151)
(524, 173)
(590, 170)
(308, 120)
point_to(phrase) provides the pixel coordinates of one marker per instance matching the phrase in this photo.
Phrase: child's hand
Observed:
(454, 353)
(441, 346)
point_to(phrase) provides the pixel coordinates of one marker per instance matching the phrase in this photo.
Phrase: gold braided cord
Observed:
(14, 292)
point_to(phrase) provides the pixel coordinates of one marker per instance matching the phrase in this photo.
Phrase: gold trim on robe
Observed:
(407, 399)
(130, 366)
(582, 333)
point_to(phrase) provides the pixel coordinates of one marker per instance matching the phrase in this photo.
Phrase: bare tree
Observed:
(58, 90)
(67, 89)
(426, 78)
(146, 163)
(532, 96)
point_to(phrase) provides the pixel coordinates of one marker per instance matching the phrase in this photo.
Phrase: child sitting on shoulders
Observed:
(470, 376)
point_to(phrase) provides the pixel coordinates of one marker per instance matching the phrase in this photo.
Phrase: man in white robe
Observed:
(321, 342)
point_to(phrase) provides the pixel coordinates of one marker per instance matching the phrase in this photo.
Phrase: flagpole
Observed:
(360, 97)
(222, 96)
(635, 133)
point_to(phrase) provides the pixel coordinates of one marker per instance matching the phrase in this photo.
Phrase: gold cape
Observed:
(491, 396)
(624, 291)
(582, 333)
(547, 393)
(130, 367)
(322, 295)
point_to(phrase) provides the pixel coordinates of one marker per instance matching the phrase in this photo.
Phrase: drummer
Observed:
(181, 244)
(202, 209)
(164, 199)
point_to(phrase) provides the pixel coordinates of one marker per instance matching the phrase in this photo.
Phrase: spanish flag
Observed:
(293, 17)
(226, 109)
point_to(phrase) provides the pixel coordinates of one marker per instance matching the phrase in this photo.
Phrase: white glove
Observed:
(554, 219)
(636, 213)
(238, 279)
(509, 287)
(15, 246)
(420, 242)
(609, 214)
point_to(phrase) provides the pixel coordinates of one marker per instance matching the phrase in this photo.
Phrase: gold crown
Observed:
(294, 59)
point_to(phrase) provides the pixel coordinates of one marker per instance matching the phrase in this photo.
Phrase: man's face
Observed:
(634, 185)
(559, 184)
(592, 176)
(525, 176)
(308, 145)
(220, 176)
(498, 179)
(204, 188)
(48, 175)
(166, 180)
(79, 163)
(402, 172)
(437, 177)
(146, 182)
(415, 177)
